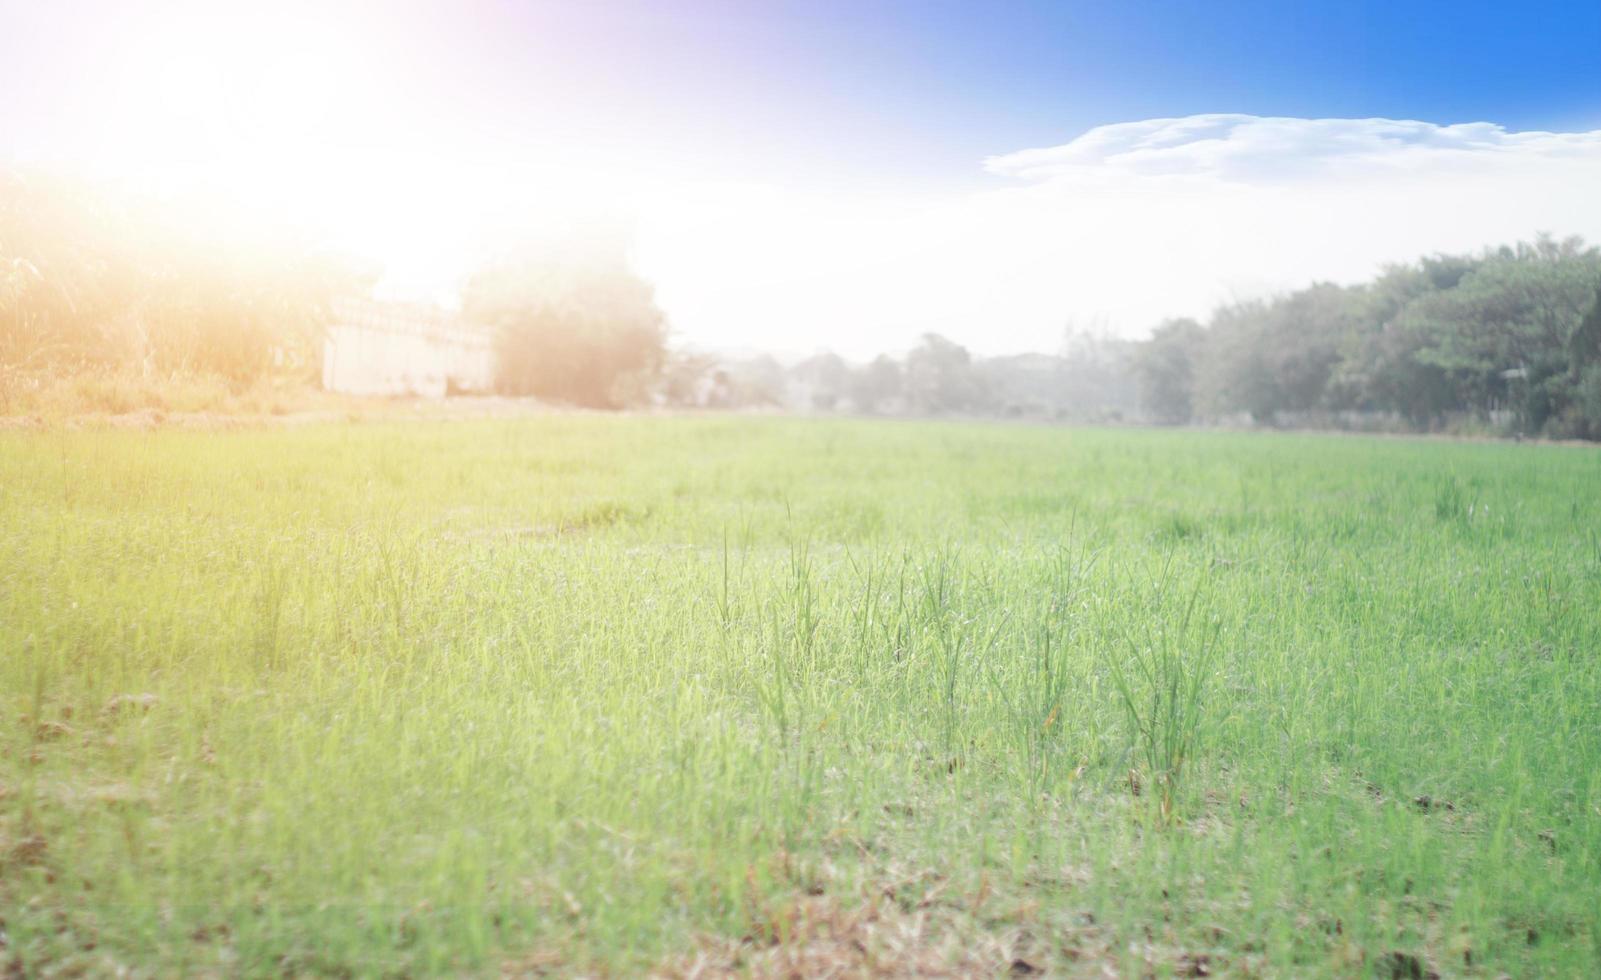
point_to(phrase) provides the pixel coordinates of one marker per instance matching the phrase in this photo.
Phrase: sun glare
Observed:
(305, 128)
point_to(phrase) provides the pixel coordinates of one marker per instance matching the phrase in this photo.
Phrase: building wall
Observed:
(385, 349)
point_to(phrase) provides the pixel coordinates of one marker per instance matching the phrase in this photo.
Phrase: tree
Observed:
(823, 378)
(1515, 330)
(1584, 347)
(877, 386)
(1095, 377)
(573, 325)
(1278, 355)
(1504, 334)
(1583, 417)
(756, 382)
(940, 377)
(1165, 366)
(1375, 371)
(692, 380)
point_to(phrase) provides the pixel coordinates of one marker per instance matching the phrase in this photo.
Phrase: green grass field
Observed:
(588, 694)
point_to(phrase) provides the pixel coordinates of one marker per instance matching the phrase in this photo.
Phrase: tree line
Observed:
(1506, 340)
(1089, 380)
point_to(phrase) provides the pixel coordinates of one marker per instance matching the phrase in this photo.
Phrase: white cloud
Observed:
(1255, 148)
(1121, 227)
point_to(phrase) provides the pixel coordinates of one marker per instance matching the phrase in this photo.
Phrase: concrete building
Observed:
(374, 348)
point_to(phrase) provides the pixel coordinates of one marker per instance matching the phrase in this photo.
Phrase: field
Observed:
(609, 695)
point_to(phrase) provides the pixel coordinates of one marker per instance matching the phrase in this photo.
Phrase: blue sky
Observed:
(799, 175)
(927, 88)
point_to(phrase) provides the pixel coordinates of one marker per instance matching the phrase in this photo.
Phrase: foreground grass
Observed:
(609, 694)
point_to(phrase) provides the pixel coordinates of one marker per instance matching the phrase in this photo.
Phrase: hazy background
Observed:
(798, 176)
